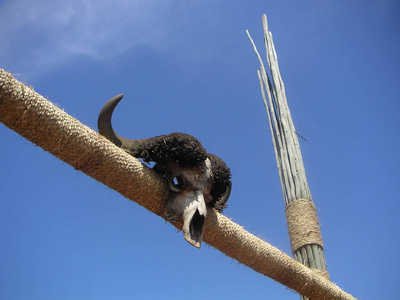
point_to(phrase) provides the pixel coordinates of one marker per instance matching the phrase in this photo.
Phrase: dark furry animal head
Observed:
(195, 178)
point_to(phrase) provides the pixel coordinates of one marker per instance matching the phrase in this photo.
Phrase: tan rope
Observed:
(303, 226)
(41, 122)
(322, 273)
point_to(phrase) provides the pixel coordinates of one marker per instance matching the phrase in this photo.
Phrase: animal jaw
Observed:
(194, 216)
(187, 203)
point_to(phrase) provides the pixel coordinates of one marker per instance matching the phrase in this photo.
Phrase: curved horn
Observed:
(222, 184)
(104, 120)
(106, 129)
(174, 147)
(225, 197)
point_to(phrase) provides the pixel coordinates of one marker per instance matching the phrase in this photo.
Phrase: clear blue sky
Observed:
(188, 66)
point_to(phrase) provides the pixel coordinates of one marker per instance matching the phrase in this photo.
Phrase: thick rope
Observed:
(302, 220)
(41, 122)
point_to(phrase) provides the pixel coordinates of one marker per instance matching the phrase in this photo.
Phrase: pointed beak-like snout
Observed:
(194, 216)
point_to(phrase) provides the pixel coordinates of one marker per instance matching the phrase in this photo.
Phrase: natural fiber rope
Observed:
(302, 222)
(322, 273)
(41, 122)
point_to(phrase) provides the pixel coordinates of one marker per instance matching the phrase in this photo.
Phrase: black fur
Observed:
(186, 150)
(180, 148)
(177, 147)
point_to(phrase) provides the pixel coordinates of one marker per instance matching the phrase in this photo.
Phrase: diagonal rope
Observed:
(41, 122)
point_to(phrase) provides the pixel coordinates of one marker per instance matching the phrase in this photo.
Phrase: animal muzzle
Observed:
(194, 216)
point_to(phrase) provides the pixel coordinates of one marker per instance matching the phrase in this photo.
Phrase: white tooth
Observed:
(201, 204)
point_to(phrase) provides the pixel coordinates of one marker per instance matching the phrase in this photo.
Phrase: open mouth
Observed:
(196, 229)
(194, 217)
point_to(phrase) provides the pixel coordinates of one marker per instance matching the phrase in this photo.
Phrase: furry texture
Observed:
(221, 177)
(177, 147)
(187, 151)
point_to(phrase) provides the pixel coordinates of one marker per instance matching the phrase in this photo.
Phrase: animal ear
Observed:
(222, 184)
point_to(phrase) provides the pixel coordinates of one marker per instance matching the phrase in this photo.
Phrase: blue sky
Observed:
(188, 66)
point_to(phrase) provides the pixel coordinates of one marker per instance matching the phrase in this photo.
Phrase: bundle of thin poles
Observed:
(304, 231)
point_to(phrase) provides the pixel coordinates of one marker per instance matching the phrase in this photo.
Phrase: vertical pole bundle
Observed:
(301, 216)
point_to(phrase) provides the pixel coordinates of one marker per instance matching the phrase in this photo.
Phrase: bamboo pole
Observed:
(38, 120)
(304, 231)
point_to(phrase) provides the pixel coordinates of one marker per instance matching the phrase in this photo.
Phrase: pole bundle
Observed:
(41, 122)
(301, 216)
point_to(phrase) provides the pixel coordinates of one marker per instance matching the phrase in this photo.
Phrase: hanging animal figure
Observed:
(196, 179)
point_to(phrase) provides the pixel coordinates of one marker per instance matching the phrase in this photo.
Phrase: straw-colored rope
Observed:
(322, 273)
(38, 120)
(303, 225)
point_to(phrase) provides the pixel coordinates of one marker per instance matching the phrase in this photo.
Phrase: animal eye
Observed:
(177, 184)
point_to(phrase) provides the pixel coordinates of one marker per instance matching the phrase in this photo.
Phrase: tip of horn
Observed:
(116, 98)
(104, 120)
